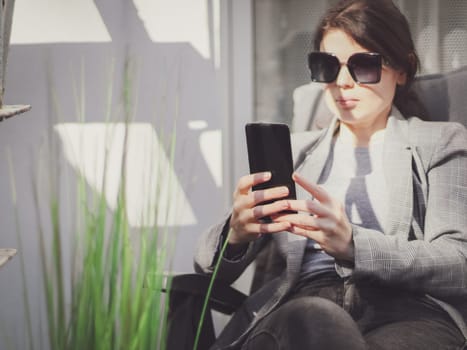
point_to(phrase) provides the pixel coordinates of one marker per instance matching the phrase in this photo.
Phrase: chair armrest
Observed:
(223, 297)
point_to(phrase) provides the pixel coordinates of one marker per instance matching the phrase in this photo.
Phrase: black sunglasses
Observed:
(364, 67)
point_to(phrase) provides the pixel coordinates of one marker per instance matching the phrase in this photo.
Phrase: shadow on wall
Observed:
(172, 83)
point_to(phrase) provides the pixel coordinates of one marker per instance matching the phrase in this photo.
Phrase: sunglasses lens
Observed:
(323, 67)
(365, 68)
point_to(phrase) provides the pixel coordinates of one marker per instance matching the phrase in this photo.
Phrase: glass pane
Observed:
(284, 32)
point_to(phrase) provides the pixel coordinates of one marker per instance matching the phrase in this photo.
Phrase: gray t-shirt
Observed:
(354, 176)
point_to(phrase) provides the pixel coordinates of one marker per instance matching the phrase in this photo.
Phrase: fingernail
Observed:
(267, 175)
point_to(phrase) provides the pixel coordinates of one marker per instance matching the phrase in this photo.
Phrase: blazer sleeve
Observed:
(208, 250)
(436, 264)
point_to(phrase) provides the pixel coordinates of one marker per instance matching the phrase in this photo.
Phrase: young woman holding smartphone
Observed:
(377, 253)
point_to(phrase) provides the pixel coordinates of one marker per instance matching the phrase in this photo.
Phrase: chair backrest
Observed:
(444, 95)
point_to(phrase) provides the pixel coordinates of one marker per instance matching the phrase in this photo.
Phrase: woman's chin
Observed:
(348, 116)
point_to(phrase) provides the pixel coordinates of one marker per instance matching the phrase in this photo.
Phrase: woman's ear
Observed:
(401, 78)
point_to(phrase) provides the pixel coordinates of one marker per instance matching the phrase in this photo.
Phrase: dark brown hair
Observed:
(379, 26)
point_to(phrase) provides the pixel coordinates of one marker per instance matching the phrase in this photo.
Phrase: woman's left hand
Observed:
(327, 223)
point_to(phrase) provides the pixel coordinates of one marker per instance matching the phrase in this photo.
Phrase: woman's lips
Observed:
(346, 102)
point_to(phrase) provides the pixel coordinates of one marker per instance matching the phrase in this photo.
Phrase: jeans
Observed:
(331, 313)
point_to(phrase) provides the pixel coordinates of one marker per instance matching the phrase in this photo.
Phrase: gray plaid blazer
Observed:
(424, 244)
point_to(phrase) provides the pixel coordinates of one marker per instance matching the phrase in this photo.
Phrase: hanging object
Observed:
(6, 254)
(6, 19)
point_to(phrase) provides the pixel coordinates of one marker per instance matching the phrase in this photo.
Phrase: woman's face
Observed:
(358, 105)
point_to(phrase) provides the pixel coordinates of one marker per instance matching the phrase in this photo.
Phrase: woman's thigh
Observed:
(378, 319)
(415, 335)
(307, 323)
(392, 319)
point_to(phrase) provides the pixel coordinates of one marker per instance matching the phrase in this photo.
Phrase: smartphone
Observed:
(269, 149)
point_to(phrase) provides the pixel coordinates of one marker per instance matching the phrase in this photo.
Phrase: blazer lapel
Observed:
(397, 165)
(311, 162)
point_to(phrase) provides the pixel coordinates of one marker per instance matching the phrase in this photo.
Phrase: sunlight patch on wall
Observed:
(52, 21)
(211, 147)
(197, 124)
(177, 21)
(151, 183)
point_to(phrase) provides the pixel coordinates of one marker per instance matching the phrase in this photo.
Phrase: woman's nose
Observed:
(344, 79)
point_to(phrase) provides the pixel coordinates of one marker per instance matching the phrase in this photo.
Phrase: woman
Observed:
(377, 253)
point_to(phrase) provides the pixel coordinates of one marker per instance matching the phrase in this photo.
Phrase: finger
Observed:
(315, 235)
(255, 198)
(253, 214)
(306, 222)
(269, 194)
(245, 183)
(272, 209)
(316, 191)
(310, 206)
(263, 228)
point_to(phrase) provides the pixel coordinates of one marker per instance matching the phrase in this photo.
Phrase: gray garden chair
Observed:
(442, 97)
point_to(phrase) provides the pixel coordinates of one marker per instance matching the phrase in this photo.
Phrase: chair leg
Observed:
(184, 316)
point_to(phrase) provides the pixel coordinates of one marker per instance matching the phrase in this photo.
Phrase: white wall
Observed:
(192, 65)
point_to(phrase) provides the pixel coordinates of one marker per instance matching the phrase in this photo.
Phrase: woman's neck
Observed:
(361, 136)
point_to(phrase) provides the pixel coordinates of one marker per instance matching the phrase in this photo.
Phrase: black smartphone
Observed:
(269, 149)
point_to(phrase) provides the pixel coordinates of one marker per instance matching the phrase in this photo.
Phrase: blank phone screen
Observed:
(269, 149)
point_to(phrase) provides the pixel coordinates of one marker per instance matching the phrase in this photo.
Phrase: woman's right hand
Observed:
(245, 223)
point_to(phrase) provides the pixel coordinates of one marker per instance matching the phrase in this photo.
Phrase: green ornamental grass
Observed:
(104, 292)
